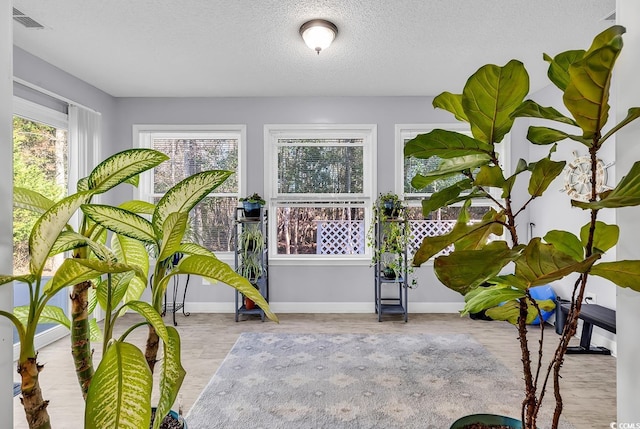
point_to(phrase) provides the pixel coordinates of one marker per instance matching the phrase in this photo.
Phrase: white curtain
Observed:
(85, 140)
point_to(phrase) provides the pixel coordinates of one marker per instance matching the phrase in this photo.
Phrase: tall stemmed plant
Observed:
(492, 98)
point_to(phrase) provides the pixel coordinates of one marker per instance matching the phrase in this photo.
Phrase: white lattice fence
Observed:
(340, 237)
(429, 228)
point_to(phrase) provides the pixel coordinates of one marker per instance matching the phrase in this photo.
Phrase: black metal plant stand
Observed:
(175, 306)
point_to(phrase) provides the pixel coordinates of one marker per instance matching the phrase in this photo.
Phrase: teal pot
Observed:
(487, 419)
(175, 416)
(251, 210)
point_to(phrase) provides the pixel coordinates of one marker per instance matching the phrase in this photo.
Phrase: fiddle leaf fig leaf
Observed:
(483, 298)
(491, 95)
(451, 103)
(490, 175)
(444, 196)
(432, 245)
(566, 242)
(604, 236)
(531, 109)
(464, 270)
(622, 273)
(542, 263)
(544, 172)
(544, 136)
(559, 66)
(626, 194)
(587, 93)
(632, 115)
(510, 311)
(445, 144)
(449, 168)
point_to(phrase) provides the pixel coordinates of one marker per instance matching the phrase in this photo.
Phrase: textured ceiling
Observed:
(252, 47)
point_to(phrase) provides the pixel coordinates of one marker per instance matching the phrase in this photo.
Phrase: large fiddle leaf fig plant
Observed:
(491, 100)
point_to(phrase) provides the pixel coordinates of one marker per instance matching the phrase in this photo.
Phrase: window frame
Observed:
(38, 113)
(365, 199)
(142, 138)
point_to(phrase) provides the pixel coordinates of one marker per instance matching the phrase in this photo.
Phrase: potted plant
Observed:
(252, 205)
(390, 204)
(251, 239)
(490, 101)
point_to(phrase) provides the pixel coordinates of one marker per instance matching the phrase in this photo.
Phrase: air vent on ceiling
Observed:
(610, 17)
(25, 20)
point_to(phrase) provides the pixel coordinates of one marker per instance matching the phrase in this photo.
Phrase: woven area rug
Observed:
(354, 381)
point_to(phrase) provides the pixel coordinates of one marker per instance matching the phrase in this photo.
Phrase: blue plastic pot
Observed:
(487, 419)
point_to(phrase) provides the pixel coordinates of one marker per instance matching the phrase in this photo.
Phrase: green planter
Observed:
(487, 419)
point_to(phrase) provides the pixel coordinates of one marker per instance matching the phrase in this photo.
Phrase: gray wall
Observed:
(6, 215)
(628, 151)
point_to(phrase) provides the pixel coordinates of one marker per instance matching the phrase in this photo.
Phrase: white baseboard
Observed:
(325, 307)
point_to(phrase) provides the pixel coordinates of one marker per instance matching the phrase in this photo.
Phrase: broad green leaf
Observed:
(172, 375)
(464, 270)
(442, 197)
(544, 136)
(448, 168)
(622, 273)
(212, 268)
(152, 316)
(632, 115)
(93, 298)
(68, 240)
(138, 207)
(20, 328)
(47, 228)
(559, 66)
(24, 278)
(31, 200)
(431, 246)
(132, 252)
(172, 234)
(604, 236)
(83, 184)
(445, 144)
(54, 314)
(543, 263)
(120, 391)
(134, 180)
(451, 103)
(566, 242)
(195, 249)
(21, 313)
(119, 284)
(489, 175)
(483, 298)
(587, 94)
(121, 221)
(186, 194)
(491, 95)
(75, 270)
(507, 187)
(544, 172)
(95, 334)
(122, 166)
(510, 311)
(531, 109)
(626, 194)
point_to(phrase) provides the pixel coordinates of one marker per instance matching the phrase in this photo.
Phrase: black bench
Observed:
(591, 314)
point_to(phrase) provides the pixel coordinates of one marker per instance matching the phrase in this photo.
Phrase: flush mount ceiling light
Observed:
(318, 34)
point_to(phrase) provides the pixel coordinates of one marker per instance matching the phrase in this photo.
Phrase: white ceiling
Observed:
(252, 47)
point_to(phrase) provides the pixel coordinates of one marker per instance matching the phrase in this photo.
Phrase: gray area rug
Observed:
(355, 381)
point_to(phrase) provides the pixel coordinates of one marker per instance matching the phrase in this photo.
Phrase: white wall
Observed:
(628, 151)
(6, 215)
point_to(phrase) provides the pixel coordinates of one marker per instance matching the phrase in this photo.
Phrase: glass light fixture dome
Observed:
(318, 34)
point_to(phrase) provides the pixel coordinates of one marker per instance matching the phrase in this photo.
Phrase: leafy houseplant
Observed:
(395, 234)
(490, 101)
(252, 204)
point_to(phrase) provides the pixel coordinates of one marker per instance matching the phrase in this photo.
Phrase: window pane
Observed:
(40, 154)
(320, 169)
(413, 166)
(320, 230)
(190, 156)
(211, 223)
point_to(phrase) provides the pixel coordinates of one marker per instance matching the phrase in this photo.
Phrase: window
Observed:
(319, 189)
(441, 221)
(193, 149)
(40, 162)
